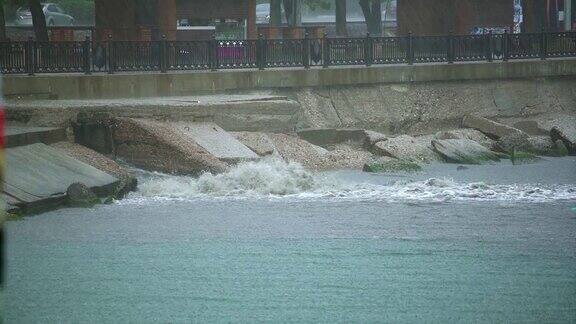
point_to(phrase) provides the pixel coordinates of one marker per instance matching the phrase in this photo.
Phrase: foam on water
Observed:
(275, 179)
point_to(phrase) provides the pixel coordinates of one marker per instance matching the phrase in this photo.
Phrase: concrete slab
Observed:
(216, 141)
(38, 173)
(23, 135)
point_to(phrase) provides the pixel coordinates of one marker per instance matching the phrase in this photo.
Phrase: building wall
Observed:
(135, 19)
(440, 17)
(213, 9)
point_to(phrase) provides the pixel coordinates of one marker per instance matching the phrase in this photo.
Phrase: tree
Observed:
(341, 28)
(372, 10)
(275, 13)
(2, 22)
(38, 20)
(293, 10)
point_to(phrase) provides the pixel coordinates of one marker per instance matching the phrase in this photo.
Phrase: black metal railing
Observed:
(112, 56)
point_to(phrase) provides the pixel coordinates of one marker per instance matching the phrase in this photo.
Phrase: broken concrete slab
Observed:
(464, 151)
(294, 149)
(326, 137)
(532, 127)
(24, 135)
(38, 176)
(259, 143)
(216, 141)
(159, 146)
(404, 147)
(490, 128)
(467, 133)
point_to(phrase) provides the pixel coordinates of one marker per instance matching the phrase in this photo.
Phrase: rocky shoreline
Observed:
(195, 148)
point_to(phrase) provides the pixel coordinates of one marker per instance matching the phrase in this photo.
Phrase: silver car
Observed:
(55, 16)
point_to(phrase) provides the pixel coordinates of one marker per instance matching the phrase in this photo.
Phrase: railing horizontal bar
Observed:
(18, 57)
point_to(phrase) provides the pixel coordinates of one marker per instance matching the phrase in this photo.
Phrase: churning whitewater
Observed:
(273, 178)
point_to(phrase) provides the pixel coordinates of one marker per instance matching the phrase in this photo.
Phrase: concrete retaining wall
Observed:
(129, 85)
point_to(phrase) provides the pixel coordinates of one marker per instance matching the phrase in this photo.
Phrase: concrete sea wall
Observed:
(135, 85)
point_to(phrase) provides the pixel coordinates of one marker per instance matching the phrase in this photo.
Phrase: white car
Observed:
(55, 16)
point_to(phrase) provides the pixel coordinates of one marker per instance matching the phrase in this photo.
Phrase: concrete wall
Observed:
(136, 85)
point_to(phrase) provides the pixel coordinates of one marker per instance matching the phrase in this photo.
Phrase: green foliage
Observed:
(523, 158)
(392, 166)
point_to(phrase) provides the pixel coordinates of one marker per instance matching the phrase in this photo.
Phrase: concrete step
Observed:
(38, 175)
(15, 136)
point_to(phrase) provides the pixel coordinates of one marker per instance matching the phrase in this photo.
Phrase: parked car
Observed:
(263, 13)
(55, 16)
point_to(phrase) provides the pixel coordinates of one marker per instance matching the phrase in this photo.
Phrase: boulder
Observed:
(404, 147)
(464, 151)
(79, 195)
(515, 142)
(328, 137)
(372, 137)
(344, 157)
(561, 149)
(294, 149)
(467, 133)
(260, 143)
(566, 134)
(532, 127)
(543, 145)
(128, 181)
(489, 127)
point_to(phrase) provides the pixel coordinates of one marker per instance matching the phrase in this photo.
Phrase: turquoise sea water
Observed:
(488, 244)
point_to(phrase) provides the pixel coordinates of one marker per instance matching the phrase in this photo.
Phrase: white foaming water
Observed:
(273, 178)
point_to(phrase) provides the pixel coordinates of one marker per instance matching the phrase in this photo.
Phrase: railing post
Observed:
(451, 47)
(306, 51)
(110, 56)
(543, 44)
(410, 52)
(86, 55)
(368, 50)
(213, 59)
(490, 53)
(261, 52)
(326, 51)
(163, 56)
(30, 56)
(506, 46)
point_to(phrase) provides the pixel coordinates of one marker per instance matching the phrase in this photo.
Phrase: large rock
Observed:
(372, 138)
(464, 151)
(404, 147)
(79, 195)
(467, 133)
(294, 149)
(489, 127)
(260, 143)
(157, 146)
(532, 127)
(515, 142)
(344, 157)
(566, 134)
(328, 137)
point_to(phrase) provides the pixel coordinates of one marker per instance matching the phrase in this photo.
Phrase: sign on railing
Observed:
(112, 56)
